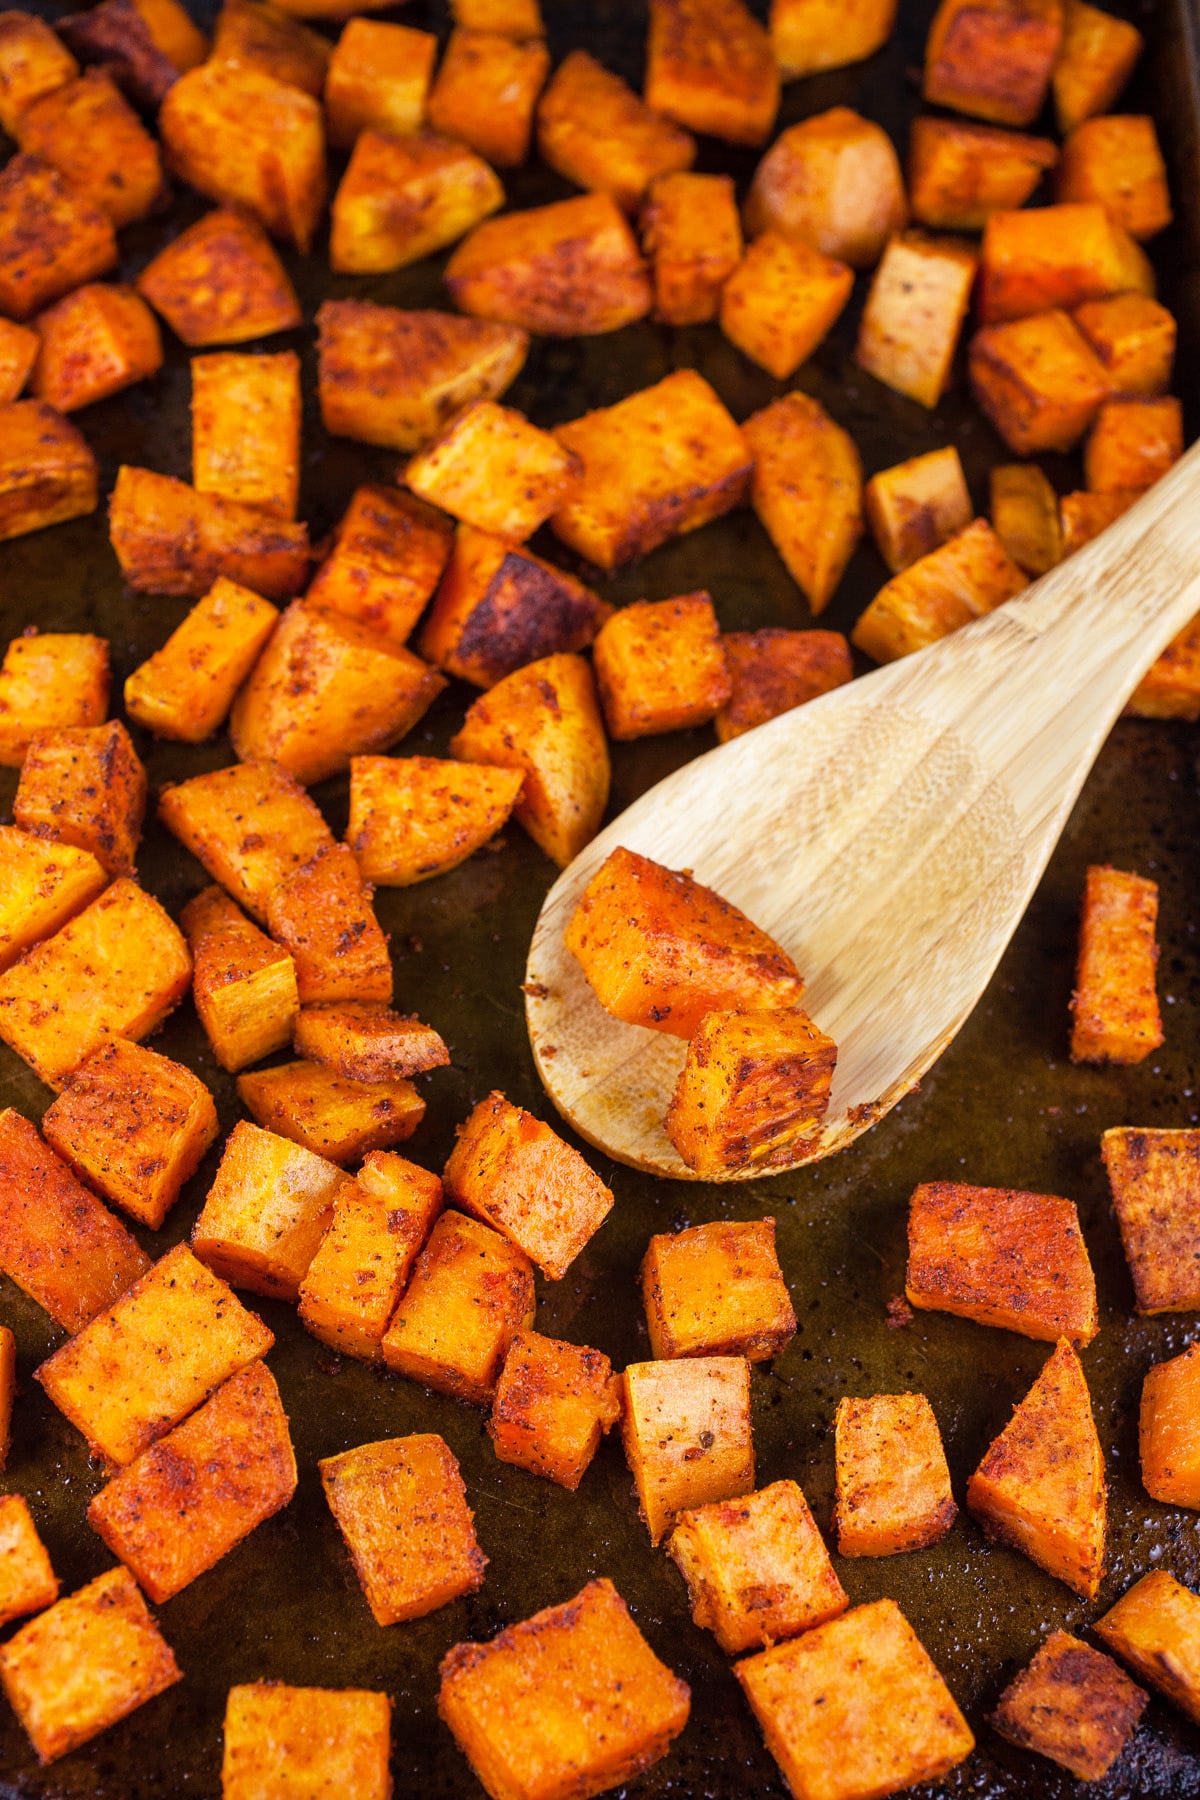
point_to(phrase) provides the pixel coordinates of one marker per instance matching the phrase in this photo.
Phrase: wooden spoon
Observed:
(889, 834)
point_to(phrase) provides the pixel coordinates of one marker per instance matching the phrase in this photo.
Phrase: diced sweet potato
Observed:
(185, 689)
(322, 913)
(325, 689)
(220, 282)
(135, 1126)
(660, 666)
(806, 488)
(1072, 1704)
(48, 472)
(266, 1212)
(808, 36)
(571, 269)
(115, 970)
(57, 1242)
(572, 1701)
(686, 1430)
(263, 37)
(33, 61)
(1040, 1487)
(413, 817)
(1005, 1258)
(771, 671)
(8, 1393)
(553, 1403)
(507, 18)
(93, 343)
(380, 1222)
(968, 576)
(52, 239)
(394, 378)
(18, 352)
(893, 1484)
(1024, 509)
(1155, 1181)
(401, 1506)
(27, 1580)
(782, 301)
(89, 132)
(388, 555)
(755, 1084)
(993, 59)
(717, 1290)
(710, 66)
(1117, 161)
(835, 180)
(246, 429)
(1155, 1628)
(403, 198)
(86, 1663)
(856, 1707)
(322, 1111)
(1038, 380)
(158, 1351)
(1170, 688)
(185, 1502)
(45, 884)
(1169, 1446)
(251, 826)
(379, 79)
(959, 175)
(1133, 443)
(470, 1294)
(368, 1043)
(915, 506)
(693, 237)
(914, 313)
(595, 130)
(334, 1739)
(169, 539)
(1096, 60)
(544, 719)
(1044, 257)
(1084, 516)
(518, 1175)
(485, 93)
(50, 681)
(756, 1569)
(1134, 338)
(84, 786)
(1114, 1006)
(147, 44)
(492, 469)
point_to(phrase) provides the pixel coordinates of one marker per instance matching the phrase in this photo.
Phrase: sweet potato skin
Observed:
(1072, 1704)
(415, 817)
(1115, 1014)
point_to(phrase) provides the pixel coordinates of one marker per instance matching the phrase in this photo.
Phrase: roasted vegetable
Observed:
(340, 1737)
(916, 506)
(413, 817)
(693, 238)
(84, 786)
(322, 913)
(220, 282)
(325, 1112)
(660, 666)
(1155, 1181)
(45, 885)
(834, 180)
(710, 66)
(717, 1290)
(50, 681)
(993, 58)
(782, 300)
(893, 1483)
(378, 80)
(754, 1087)
(771, 671)
(185, 690)
(686, 1429)
(553, 1403)
(1038, 381)
(959, 175)
(52, 239)
(267, 1210)
(250, 825)
(595, 130)
(1115, 1006)
(92, 136)
(806, 487)
(1170, 1453)
(1072, 1704)
(93, 343)
(169, 539)
(387, 557)
(246, 429)
(492, 469)
(485, 93)
(403, 198)
(1118, 162)
(48, 472)
(914, 312)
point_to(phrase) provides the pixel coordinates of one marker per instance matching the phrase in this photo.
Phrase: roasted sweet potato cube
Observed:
(185, 689)
(1096, 60)
(33, 61)
(1117, 161)
(1115, 1006)
(1133, 443)
(93, 343)
(507, 18)
(48, 472)
(84, 786)
(660, 666)
(710, 66)
(362, 1042)
(544, 719)
(806, 488)
(808, 36)
(89, 132)
(664, 461)
(993, 59)
(492, 469)
(756, 1569)
(57, 1242)
(693, 237)
(754, 1085)
(1002, 1257)
(403, 198)
(135, 1126)
(252, 827)
(387, 558)
(914, 313)
(186, 1502)
(554, 1402)
(146, 44)
(915, 506)
(1134, 338)
(8, 1393)
(717, 1290)
(470, 1294)
(833, 180)
(401, 1506)
(325, 689)
(1155, 1181)
(50, 681)
(322, 914)
(267, 1210)
(413, 817)
(571, 1701)
(246, 429)
(246, 139)
(893, 1484)
(115, 970)
(1170, 688)
(1169, 1446)
(772, 670)
(174, 31)
(661, 950)
(1084, 516)
(1040, 1487)
(518, 1175)
(379, 79)
(856, 1707)
(1024, 509)
(1038, 380)
(1155, 1628)
(89, 1661)
(322, 1111)
(394, 378)
(169, 539)
(52, 238)
(262, 36)
(1043, 257)
(45, 884)
(485, 93)
(27, 1580)
(596, 131)
(782, 301)
(959, 175)
(686, 1429)
(571, 269)
(18, 352)
(968, 576)
(1072, 1704)
(380, 1222)
(335, 1739)
(220, 282)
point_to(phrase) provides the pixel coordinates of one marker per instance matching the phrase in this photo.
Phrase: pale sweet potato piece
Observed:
(595, 130)
(379, 78)
(1024, 509)
(169, 539)
(27, 1580)
(492, 469)
(808, 36)
(364, 1042)
(782, 301)
(52, 239)
(717, 1290)
(221, 282)
(967, 576)
(916, 506)
(553, 1403)
(92, 343)
(1133, 443)
(1167, 1439)
(1038, 380)
(413, 817)
(1118, 162)
(686, 1430)
(1096, 60)
(267, 1210)
(380, 1222)
(322, 914)
(18, 353)
(1115, 1007)
(404, 198)
(33, 61)
(251, 826)
(84, 785)
(48, 473)
(388, 555)
(1134, 338)
(1072, 1704)
(710, 66)
(959, 175)
(324, 1112)
(334, 1740)
(185, 690)
(660, 666)
(89, 132)
(1155, 1628)
(44, 885)
(262, 36)
(914, 313)
(1043, 257)
(1155, 1181)
(50, 681)
(571, 269)
(754, 1085)
(246, 429)
(806, 488)
(771, 671)
(993, 58)
(835, 180)
(485, 93)
(692, 236)
(893, 1484)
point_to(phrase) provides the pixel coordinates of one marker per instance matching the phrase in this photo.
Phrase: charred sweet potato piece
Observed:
(506, 18)
(959, 175)
(84, 786)
(50, 681)
(267, 1210)
(916, 506)
(45, 884)
(394, 378)
(806, 488)
(717, 1290)
(1084, 516)
(48, 472)
(1024, 510)
(660, 666)
(553, 1403)
(544, 719)
(692, 236)
(755, 1084)
(246, 429)
(403, 198)
(250, 825)
(244, 986)
(1134, 338)
(362, 1042)
(1114, 1006)
(19, 348)
(387, 558)
(772, 670)
(492, 469)
(571, 269)
(220, 282)
(1133, 443)
(263, 37)
(321, 912)
(27, 1581)
(1117, 161)
(1155, 1181)
(914, 313)
(485, 93)
(362, 1264)
(1072, 1704)
(93, 343)
(808, 36)
(412, 817)
(893, 1483)
(968, 576)
(185, 690)
(1096, 60)
(341, 1120)
(834, 180)
(116, 35)
(169, 539)
(1040, 1487)
(92, 136)
(571, 1701)
(595, 130)
(1153, 1627)
(470, 1294)
(1038, 381)
(379, 78)
(1168, 1443)
(52, 239)
(710, 66)
(401, 1506)
(686, 1430)
(1170, 688)
(782, 301)
(1044, 257)
(33, 61)
(993, 59)
(185, 1502)
(340, 1737)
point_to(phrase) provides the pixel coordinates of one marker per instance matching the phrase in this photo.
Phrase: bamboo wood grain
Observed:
(888, 834)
